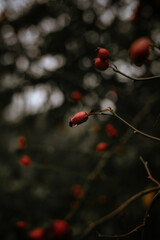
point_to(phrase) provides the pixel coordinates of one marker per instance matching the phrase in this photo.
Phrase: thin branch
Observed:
(145, 163)
(115, 69)
(125, 235)
(106, 155)
(115, 212)
(124, 121)
(148, 212)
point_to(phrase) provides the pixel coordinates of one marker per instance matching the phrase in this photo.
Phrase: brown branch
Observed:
(115, 69)
(115, 212)
(110, 110)
(145, 163)
(122, 235)
(108, 154)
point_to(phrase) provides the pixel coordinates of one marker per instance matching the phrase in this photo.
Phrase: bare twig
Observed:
(145, 163)
(106, 155)
(115, 212)
(115, 69)
(110, 110)
(122, 235)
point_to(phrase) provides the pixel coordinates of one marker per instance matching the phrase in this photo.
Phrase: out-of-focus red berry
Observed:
(76, 95)
(21, 224)
(77, 191)
(36, 234)
(78, 118)
(111, 131)
(140, 50)
(25, 160)
(102, 146)
(60, 229)
(103, 53)
(22, 143)
(100, 64)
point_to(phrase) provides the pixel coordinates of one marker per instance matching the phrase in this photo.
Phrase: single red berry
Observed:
(21, 224)
(102, 146)
(76, 95)
(25, 160)
(22, 143)
(100, 64)
(77, 191)
(36, 234)
(103, 53)
(140, 50)
(111, 131)
(78, 118)
(60, 229)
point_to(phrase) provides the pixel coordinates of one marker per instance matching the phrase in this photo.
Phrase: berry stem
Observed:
(110, 110)
(145, 163)
(115, 69)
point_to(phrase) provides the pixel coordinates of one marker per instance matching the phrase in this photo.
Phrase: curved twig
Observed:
(110, 110)
(115, 69)
(115, 212)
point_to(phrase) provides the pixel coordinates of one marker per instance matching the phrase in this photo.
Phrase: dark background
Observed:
(47, 49)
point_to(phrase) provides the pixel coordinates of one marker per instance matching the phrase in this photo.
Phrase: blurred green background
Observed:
(47, 49)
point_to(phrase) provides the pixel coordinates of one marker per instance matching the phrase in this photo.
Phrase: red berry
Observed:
(103, 53)
(25, 160)
(78, 118)
(76, 95)
(22, 143)
(140, 51)
(101, 146)
(36, 234)
(100, 64)
(77, 191)
(21, 224)
(111, 131)
(60, 229)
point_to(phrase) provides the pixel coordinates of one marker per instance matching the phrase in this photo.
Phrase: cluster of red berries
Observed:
(140, 50)
(101, 62)
(59, 230)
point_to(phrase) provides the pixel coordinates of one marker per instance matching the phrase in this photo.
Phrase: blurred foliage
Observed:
(46, 52)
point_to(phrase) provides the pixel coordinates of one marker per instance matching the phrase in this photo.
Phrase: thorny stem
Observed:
(110, 110)
(145, 163)
(115, 69)
(115, 212)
